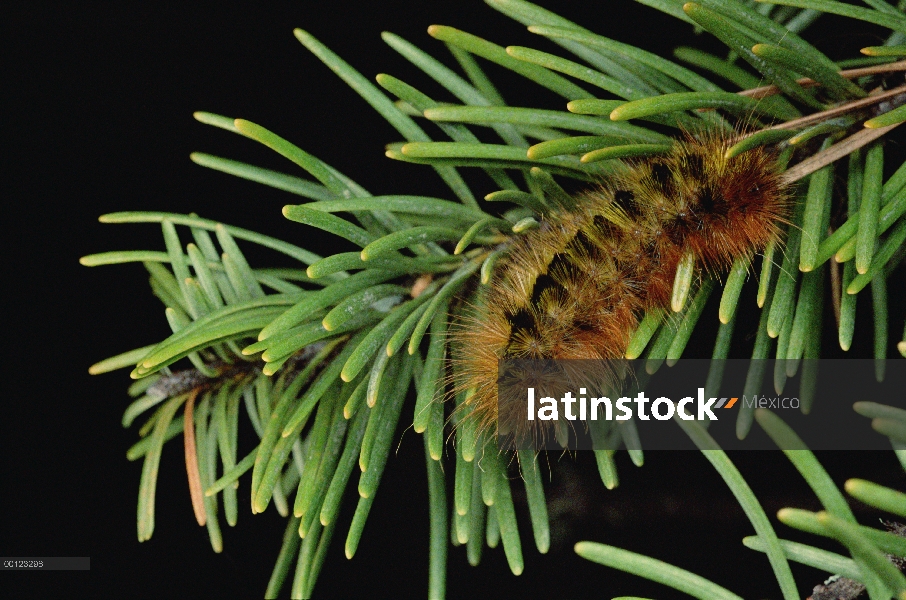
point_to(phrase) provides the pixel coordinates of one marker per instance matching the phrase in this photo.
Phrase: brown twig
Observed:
(835, 152)
(841, 109)
(771, 90)
(824, 115)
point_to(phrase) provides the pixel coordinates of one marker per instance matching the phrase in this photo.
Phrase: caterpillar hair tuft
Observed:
(577, 286)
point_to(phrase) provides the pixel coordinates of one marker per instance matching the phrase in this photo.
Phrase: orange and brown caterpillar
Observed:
(577, 286)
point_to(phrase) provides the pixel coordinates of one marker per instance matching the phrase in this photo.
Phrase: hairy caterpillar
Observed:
(577, 286)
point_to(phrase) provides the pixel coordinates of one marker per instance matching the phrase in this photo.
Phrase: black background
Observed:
(100, 120)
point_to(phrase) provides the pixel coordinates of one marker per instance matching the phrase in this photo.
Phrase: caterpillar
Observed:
(577, 286)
